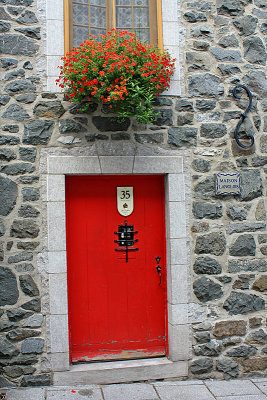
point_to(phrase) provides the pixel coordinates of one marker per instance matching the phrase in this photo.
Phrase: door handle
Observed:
(158, 267)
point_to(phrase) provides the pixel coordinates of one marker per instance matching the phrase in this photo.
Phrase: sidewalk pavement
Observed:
(247, 389)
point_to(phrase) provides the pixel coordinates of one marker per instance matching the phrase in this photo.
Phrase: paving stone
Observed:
(179, 383)
(91, 393)
(184, 392)
(26, 394)
(249, 397)
(232, 388)
(130, 392)
(262, 385)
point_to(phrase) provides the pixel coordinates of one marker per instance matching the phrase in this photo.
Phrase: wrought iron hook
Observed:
(243, 116)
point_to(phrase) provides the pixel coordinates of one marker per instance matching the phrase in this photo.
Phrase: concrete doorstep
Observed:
(247, 389)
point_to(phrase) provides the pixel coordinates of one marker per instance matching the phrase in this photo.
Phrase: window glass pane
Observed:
(98, 2)
(80, 34)
(123, 17)
(98, 17)
(140, 3)
(123, 2)
(142, 34)
(80, 14)
(96, 32)
(141, 17)
(123, 29)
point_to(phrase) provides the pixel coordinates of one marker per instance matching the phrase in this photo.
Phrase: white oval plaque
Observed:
(125, 203)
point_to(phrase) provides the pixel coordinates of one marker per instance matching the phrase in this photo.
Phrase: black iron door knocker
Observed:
(126, 239)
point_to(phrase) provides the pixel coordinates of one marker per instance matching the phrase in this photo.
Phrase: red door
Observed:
(117, 309)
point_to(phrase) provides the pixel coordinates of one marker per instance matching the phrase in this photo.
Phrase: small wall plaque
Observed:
(125, 202)
(228, 184)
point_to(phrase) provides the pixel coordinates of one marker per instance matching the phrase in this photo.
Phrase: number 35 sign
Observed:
(125, 203)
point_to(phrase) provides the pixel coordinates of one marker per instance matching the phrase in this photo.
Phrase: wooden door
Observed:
(117, 309)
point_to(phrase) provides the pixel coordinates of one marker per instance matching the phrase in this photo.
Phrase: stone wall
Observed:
(224, 44)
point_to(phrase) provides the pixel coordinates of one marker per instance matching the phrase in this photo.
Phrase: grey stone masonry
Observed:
(220, 261)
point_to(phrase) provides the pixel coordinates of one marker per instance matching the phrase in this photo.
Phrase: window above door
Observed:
(96, 17)
(56, 22)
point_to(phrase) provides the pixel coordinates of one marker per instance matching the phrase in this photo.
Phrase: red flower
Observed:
(128, 70)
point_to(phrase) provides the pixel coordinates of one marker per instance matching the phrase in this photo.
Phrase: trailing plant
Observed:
(119, 71)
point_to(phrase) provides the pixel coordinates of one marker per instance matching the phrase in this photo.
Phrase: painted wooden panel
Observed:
(117, 309)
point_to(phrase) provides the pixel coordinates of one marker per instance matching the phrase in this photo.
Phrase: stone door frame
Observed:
(114, 158)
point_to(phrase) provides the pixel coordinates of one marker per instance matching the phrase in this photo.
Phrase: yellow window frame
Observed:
(155, 14)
